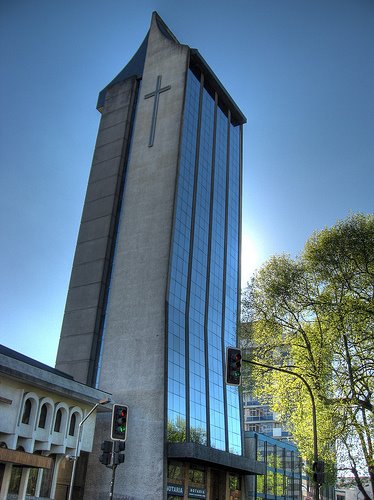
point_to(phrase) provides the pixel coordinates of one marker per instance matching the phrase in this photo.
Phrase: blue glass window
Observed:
(204, 272)
(216, 278)
(179, 267)
(232, 284)
(197, 394)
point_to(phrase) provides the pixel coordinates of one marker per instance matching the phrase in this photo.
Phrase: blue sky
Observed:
(302, 72)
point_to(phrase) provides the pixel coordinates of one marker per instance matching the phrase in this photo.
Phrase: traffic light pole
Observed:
(75, 458)
(314, 413)
(112, 459)
(114, 467)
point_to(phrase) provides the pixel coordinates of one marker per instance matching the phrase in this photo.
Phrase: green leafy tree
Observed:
(314, 315)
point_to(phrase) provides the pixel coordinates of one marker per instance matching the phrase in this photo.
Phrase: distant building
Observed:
(40, 410)
(284, 469)
(259, 418)
(346, 489)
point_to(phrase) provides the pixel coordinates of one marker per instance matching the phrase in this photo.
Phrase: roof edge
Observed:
(18, 366)
(134, 68)
(163, 27)
(215, 83)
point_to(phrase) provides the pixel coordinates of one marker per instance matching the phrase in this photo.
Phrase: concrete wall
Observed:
(133, 363)
(78, 346)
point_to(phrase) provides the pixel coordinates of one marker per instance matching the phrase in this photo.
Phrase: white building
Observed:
(40, 412)
(259, 417)
(347, 490)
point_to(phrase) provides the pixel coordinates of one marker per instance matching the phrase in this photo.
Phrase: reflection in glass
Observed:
(175, 472)
(197, 475)
(179, 266)
(232, 283)
(203, 281)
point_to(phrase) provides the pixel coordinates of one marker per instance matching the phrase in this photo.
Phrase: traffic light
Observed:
(319, 472)
(105, 457)
(118, 456)
(233, 366)
(119, 422)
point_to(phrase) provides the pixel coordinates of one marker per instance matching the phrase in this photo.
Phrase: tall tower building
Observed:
(153, 297)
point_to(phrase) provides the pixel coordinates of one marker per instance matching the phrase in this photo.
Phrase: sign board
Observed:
(196, 492)
(175, 489)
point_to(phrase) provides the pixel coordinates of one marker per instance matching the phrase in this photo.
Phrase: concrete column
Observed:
(39, 482)
(208, 488)
(55, 476)
(6, 481)
(23, 484)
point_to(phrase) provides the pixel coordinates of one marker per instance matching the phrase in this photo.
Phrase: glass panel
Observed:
(199, 275)
(290, 487)
(215, 356)
(280, 457)
(260, 482)
(297, 488)
(179, 267)
(289, 465)
(271, 450)
(234, 487)
(197, 475)
(261, 450)
(231, 292)
(46, 482)
(201, 268)
(15, 479)
(280, 489)
(270, 483)
(175, 472)
(31, 484)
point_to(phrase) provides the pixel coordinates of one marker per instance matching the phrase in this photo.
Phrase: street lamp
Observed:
(314, 413)
(75, 457)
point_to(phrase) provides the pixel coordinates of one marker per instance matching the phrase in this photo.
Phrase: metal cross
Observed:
(156, 95)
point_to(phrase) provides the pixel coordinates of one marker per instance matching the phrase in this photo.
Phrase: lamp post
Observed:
(314, 413)
(75, 457)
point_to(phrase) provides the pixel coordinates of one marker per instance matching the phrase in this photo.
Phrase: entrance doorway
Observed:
(217, 485)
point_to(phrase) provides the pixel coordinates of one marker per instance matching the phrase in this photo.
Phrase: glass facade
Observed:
(202, 309)
(283, 477)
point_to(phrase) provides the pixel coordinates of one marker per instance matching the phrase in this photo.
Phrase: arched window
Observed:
(57, 426)
(26, 412)
(73, 421)
(43, 416)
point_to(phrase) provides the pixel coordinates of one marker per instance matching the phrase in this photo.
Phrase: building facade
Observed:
(284, 477)
(153, 297)
(40, 412)
(259, 417)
